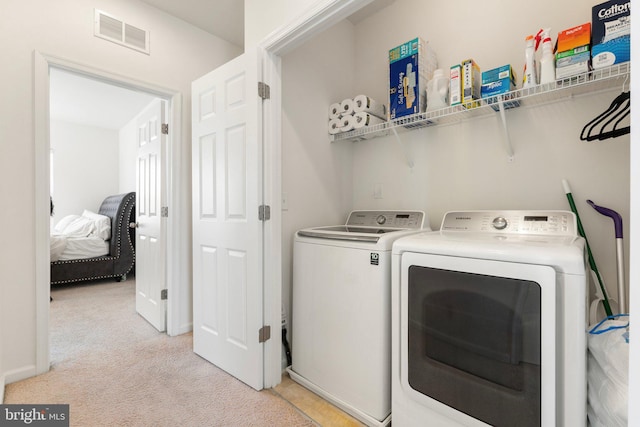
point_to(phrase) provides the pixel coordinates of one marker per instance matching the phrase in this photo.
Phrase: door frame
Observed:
(42, 63)
(319, 17)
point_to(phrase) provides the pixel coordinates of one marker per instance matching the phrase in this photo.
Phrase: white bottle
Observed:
(437, 91)
(530, 79)
(547, 63)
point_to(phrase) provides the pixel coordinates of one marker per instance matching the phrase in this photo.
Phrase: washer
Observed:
(489, 320)
(341, 317)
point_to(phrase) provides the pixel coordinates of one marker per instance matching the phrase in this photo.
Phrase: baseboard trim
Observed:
(19, 374)
(183, 329)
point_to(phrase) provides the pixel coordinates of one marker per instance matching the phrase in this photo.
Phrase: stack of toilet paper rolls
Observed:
(355, 113)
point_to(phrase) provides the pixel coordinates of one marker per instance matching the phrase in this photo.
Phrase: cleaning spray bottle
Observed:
(547, 60)
(529, 74)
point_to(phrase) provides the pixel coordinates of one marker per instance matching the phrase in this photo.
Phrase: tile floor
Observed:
(313, 406)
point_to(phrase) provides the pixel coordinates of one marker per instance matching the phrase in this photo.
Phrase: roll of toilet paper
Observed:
(363, 119)
(362, 103)
(335, 110)
(335, 126)
(346, 107)
(348, 123)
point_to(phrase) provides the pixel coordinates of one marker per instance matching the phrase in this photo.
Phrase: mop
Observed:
(608, 343)
(601, 293)
(617, 222)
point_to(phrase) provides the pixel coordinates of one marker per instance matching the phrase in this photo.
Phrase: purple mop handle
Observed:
(615, 216)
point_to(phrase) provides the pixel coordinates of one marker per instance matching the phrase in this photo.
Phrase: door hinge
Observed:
(164, 128)
(264, 333)
(164, 212)
(164, 294)
(264, 91)
(264, 212)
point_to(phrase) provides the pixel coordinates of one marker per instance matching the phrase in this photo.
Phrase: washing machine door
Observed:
(473, 334)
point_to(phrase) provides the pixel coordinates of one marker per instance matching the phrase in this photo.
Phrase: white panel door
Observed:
(150, 252)
(227, 233)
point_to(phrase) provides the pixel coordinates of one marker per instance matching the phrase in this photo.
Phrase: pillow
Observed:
(102, 224)
(64, 222)
(79, 227)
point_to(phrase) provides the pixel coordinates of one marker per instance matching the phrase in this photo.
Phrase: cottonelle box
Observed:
(411, 65)
(611, 33)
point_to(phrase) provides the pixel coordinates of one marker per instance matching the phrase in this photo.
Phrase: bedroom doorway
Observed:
(44, 65)
(100, 149)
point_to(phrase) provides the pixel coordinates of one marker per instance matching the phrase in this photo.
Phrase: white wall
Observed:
(494, 36)
(261, 18)
(128, 154)
(316, 175)
(461, 166)
(465, 166)
(180, 53)
(86, 167)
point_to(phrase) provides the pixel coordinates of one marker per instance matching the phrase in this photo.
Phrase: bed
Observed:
(87, 250)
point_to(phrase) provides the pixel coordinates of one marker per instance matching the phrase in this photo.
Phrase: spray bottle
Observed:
(529, 75)
(547, 60)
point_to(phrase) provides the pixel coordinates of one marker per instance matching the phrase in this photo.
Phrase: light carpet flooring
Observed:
(114, 369)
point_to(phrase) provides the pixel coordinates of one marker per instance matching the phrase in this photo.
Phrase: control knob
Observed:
(381, 219)
(499, 223)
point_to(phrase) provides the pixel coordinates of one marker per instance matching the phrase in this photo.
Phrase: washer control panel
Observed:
(561, 223)
(387, 219)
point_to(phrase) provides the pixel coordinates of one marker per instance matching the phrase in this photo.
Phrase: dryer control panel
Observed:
(387, 219)
(559, 223)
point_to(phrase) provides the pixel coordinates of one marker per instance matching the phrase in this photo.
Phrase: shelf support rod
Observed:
(505, 129)
(407, 157)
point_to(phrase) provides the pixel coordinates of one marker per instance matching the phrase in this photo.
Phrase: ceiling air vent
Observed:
(110, 28)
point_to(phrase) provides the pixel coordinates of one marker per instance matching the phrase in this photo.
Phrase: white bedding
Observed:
(80, 236)
(79, 247)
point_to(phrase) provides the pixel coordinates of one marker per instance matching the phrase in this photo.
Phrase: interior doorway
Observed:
(94, 137)
(43, 66)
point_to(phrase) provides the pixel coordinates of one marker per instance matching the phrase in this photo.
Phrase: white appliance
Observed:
(341, 317)
(489, 320)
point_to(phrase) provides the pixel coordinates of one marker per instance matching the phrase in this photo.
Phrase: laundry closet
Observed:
(461, 165)
(469, 163)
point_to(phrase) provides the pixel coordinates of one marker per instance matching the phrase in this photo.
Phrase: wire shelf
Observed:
(589, 82)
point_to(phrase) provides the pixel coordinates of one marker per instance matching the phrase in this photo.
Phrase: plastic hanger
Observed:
(617, 107)
(615, 132)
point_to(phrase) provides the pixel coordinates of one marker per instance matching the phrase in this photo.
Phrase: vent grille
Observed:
(110, 28)
(135, 37)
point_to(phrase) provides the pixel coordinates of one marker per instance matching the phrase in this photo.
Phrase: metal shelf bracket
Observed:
(505, 130)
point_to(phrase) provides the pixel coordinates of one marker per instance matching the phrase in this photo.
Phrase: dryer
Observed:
(341, 315)
(489, 322)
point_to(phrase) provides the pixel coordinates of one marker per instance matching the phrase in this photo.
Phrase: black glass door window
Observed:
(474, 344)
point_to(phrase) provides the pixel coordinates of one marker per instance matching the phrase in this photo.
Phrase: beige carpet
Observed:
(114, 369)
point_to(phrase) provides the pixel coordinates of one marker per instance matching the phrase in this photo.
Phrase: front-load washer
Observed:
(489, 321)
(341, 315)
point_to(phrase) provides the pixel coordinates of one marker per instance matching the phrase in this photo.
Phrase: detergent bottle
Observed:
(437, 91)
